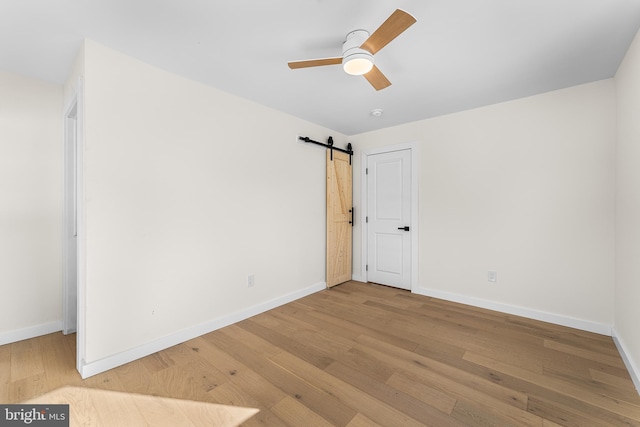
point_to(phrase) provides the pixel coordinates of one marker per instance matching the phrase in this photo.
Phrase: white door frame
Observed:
(413, 147)
(75, 107)
(70, 218)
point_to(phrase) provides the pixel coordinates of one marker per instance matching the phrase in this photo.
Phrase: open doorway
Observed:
(73, 225)
(70, 269)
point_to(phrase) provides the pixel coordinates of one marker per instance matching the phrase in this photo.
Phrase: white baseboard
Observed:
(633, 369)
(558, 319)
(110, 362)
(30, 332)
(358, 278)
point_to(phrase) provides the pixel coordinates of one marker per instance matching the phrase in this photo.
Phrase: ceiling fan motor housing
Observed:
(355, 60)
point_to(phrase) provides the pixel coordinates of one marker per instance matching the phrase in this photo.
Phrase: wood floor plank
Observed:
(395, 398)
(621, 382)
(588, 396)
(574, 416)
(510, 404)
(373, 408)
(345, 321)
(118, 411)
(611, 360)
(361, 421)
(358, 355)
(186, 380)
(155, 411)
(523, 351)
(108, 380)
(236, 395)
(429, 395)
(157, 361)
(27, 388)
(491, 320)
(58, 363)
(548, 423)
(241, 376)
(258, 344)
(303, 348)
(450, 379)
(535, 390)
(136, 378)
(437, 350)
(283, 316)
(325, 323)
(567, 365)
(461, 384)
(362, 361)
(472, 414)
(317, 338)
(295, 414)
(30, 362)
(315, 399)
(230, 394)
(586, 381)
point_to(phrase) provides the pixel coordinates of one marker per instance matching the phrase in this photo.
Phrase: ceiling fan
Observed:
(359, 48)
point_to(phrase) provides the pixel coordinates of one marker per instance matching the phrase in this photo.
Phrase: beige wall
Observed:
(627, 301)
(189, 190)
(30, 207)
(525, 188)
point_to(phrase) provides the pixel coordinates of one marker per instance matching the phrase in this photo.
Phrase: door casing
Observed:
(75, 109)
(415, 165)
(70, 226)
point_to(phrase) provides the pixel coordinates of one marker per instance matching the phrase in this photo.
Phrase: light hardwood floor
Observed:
(366, 355)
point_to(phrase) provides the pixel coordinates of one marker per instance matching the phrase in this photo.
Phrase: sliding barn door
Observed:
(339, 218)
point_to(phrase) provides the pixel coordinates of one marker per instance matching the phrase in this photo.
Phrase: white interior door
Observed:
(389, 218)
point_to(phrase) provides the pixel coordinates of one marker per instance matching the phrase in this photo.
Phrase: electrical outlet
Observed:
(493, 276)
(251, 280)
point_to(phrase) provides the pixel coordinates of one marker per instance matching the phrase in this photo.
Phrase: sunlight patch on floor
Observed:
(92, 407)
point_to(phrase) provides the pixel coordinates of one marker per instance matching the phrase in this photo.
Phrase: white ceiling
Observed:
(460, 54)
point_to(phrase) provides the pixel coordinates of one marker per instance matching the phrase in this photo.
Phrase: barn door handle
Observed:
(352, 210)
(405, 228)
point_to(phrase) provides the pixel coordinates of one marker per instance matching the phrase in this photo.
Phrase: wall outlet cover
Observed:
(493, 276)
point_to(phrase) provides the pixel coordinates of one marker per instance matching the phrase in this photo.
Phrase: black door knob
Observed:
(405, 228)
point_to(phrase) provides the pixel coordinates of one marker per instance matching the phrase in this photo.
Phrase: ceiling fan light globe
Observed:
(357, 64)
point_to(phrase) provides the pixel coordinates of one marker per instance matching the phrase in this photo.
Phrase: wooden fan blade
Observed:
(378, 80)
(395, 25)
(315, 63)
